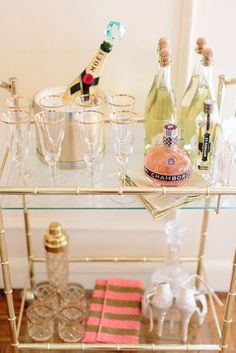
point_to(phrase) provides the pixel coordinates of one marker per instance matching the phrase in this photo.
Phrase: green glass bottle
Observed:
(186, 120)
(160, 105)
(189, 113)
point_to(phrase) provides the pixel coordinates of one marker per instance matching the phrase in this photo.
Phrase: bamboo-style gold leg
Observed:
(28, 242)
(7, 286)
(203, 236)
(228, 309)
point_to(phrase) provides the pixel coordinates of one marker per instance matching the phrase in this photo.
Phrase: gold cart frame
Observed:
(76, 190)
(222, 330)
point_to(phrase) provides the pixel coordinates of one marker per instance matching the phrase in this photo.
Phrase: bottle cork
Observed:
(208, 105)
(165, 57)
(201, 43)
(163, 43)
(207, 57)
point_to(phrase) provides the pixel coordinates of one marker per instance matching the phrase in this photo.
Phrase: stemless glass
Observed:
(16, 102)
(40, 322)
(121, 101)
(123, 126)
(46, 292)
(74, 294)
(71, 324)
(18, 122)
(50, 125)
(91, 124)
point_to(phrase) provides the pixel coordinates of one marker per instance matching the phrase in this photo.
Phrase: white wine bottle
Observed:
(208, 128)
(161, 106)
(90, 76)
(205, 90)
(186, 121)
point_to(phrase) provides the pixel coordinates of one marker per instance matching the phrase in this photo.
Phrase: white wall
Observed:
(46, 43)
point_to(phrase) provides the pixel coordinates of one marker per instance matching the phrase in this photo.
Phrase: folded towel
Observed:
(95, 311)
(120, 321)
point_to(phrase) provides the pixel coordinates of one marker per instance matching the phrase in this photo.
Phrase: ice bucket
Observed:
(71, 157)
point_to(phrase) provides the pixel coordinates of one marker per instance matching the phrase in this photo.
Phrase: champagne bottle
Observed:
(205, 90)
(163, 43)
(186, 121)
(161, 106)
(208, 127)
(90, 76)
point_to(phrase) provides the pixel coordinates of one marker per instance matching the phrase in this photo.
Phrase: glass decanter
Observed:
(168, 164)
(172, 271)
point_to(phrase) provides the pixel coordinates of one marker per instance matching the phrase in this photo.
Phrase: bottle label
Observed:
(167, 178)
(95, 65)
(89, 77)
(205, 147)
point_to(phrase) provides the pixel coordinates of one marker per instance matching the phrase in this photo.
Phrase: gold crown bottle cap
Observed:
(163, 43)
(201, 43)
(207, 57)
(208, 105)
(165, 57)
(56, 239)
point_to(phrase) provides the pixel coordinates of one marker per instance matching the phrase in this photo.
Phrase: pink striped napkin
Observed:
(120, 320)
(95, 311)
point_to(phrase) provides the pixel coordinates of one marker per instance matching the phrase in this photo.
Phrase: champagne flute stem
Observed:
(123, 171)
(53, 171)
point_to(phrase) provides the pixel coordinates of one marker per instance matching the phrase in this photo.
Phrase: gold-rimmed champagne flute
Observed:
(50, 127)
(91, 124)
(53, 102)
(123, 125)
(121, 101)
(15, 102)
(93, 101)
(18, 122)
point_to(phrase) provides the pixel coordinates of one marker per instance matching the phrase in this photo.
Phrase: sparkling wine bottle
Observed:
(161, 106)
(167, 164)
(90, 76)
(208, 127)
(187, 121)
(205, 90)
(163, 43)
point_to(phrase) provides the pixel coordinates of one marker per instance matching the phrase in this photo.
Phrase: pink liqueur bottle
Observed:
(168, 164)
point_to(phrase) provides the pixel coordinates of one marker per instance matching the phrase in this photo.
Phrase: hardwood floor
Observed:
(203, 334)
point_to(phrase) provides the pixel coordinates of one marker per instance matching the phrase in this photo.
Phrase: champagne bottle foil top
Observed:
(207, 57)
(56, 239)
(170, 133)
(165, 57)
(201, 43)
(163, 43)
(208, 105)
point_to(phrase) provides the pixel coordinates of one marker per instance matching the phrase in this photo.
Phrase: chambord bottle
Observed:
(167, 164)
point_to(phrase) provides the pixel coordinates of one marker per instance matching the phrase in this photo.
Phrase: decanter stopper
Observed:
(114, 31)
(56, 250)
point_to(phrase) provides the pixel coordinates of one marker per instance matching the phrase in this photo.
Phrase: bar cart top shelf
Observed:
(74, 183)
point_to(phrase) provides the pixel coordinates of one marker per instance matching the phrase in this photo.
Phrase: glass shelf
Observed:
(105, 176)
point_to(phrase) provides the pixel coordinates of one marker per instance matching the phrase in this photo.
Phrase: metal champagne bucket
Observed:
(71, 156)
